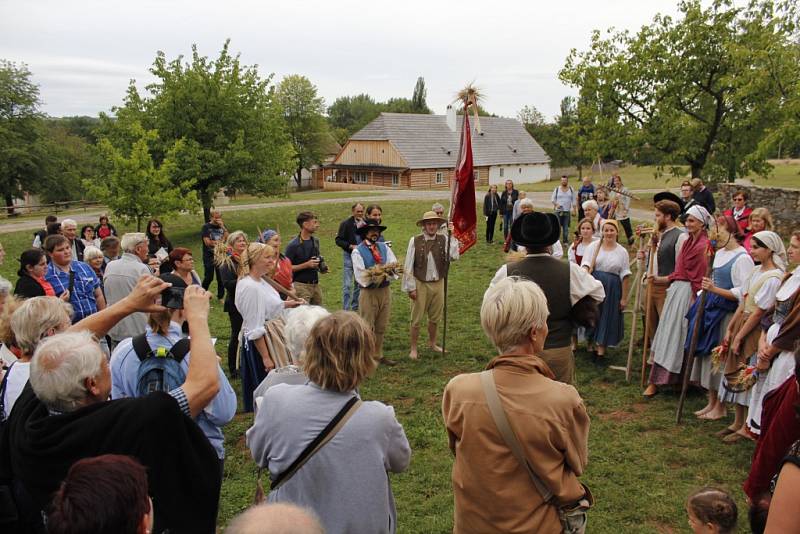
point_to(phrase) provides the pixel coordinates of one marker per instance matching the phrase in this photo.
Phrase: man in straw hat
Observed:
(375, 299)
(572, 293)
(423, 277)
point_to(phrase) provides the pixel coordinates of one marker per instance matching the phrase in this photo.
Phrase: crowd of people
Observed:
(113, 400)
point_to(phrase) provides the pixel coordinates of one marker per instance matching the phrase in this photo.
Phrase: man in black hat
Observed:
(570, 290)
(375, 299)
(667, 242)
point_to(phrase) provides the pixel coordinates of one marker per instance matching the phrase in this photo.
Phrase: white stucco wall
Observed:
(520, 173)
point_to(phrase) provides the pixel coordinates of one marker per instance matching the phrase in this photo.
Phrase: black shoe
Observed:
(387, 362)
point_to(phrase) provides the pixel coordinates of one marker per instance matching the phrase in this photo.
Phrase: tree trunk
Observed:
(138, 223)
(10, 205)
(205, 198)
(298, 177)
(697, 168)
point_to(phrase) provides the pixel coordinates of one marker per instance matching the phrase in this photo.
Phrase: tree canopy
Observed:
(701, 89)
(218, 120)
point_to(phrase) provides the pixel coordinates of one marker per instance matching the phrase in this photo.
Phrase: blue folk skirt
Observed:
(610, 328)
(252, 371)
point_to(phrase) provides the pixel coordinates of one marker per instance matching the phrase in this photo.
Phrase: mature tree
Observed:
(68, 160)
(218, 121)
(696, 89)
(303, 112)
(21, 132)
(418, 98)
(134, 186)
(348, 114)
(530, 116)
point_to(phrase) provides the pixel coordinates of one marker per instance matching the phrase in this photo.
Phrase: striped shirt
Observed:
(82, 294)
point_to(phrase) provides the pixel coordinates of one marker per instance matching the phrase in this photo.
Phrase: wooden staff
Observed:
(281, 289)
(698, 322)
(638, 302)
(648, 302)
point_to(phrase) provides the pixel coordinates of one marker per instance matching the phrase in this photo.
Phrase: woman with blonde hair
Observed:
(759, 220)
(547, 418)
(258, 302)
(344, 481)
(227, 258)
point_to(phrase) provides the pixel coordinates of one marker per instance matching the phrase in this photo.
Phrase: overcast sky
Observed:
(83, 53)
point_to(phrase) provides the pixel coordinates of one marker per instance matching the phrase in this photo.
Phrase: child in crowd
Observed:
(711, 511)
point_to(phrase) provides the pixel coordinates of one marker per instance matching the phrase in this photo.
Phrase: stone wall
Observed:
(783, 204)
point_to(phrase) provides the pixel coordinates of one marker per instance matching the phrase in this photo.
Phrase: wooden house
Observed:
(411, 151)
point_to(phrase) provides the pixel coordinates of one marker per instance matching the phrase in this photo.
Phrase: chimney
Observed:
(451, 118)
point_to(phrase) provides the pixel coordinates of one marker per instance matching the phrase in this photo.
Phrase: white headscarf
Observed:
(701, 214)
(773, 242)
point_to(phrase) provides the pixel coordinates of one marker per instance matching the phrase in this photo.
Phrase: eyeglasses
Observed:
(187, 258)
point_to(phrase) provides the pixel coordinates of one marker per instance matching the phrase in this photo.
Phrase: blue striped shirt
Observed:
(82, 296)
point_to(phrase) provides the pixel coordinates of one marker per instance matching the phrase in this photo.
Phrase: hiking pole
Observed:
(637, 303)
(648, 302)
(689, 360)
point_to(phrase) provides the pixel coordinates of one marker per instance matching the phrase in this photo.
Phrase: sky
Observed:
(84, 53)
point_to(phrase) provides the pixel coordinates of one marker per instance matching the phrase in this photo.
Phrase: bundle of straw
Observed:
(718, 354)
(746, 379)
(378, 274)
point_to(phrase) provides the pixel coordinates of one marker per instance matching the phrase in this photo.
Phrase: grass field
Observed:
(642, 466)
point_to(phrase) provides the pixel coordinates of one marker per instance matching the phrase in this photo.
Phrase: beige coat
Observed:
(492, 492)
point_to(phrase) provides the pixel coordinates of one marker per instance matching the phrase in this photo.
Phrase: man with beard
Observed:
(423, 277)
(375, 299)
(669, 239)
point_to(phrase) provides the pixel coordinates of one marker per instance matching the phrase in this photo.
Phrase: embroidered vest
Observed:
(369, 261)
(436, 247)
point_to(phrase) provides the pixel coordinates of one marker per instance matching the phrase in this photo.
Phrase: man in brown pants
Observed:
(375, 299)
(423, 277)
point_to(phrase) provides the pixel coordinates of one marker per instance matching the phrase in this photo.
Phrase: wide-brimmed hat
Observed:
(536, 229)
(430, 216)
(369, 224)
(668, 195)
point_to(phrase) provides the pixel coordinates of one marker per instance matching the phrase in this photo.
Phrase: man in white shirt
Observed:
(424, 272)
(375, 299)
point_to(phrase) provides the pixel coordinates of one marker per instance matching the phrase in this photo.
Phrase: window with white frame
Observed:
(361, 177)
(395, 179)
(439, 177)
(476, 174)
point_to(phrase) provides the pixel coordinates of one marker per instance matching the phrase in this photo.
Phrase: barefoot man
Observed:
(423, 277)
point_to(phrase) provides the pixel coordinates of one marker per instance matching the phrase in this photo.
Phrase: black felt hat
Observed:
(668, 195)
(370, 224)
(535, 229)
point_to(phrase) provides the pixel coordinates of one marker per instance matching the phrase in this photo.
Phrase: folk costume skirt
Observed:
(780, 371)
(718, 312)
(672, 328)
(253, 372)
(611, 327)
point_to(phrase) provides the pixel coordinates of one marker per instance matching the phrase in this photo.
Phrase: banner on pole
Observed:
(465, 221)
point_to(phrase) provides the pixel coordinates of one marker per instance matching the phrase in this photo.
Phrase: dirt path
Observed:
(540, 199)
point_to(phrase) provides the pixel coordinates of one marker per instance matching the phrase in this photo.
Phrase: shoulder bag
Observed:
(316, 444)
(573, 517)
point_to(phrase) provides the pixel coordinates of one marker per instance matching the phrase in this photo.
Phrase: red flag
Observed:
(465, 221)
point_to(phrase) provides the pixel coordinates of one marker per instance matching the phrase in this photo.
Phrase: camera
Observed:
(322, 267)
(172, 298)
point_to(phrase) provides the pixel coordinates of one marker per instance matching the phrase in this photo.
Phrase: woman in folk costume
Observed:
(258, 303)
(684, 282)
(732, 268)
(775, 359)
(584, 238)
(744, 331)
(608, 262)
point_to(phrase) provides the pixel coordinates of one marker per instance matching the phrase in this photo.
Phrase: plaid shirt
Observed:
(82, 297)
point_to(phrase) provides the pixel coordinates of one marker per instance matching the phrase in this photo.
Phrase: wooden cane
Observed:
(637, 304)
(648, 302)
(281, 289)
(698, 322)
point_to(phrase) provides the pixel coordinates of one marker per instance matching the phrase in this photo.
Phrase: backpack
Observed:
(159, 369)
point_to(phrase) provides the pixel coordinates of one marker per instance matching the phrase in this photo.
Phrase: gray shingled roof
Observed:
(425, 140)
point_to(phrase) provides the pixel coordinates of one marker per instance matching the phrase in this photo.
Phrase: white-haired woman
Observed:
(591, 212)
(93, 257)
(227, 259)
(35, 319)
(547, 417)
(257, 302)
(299, 322)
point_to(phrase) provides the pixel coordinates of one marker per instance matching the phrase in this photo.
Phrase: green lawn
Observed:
(642, 466)
(644, 177)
